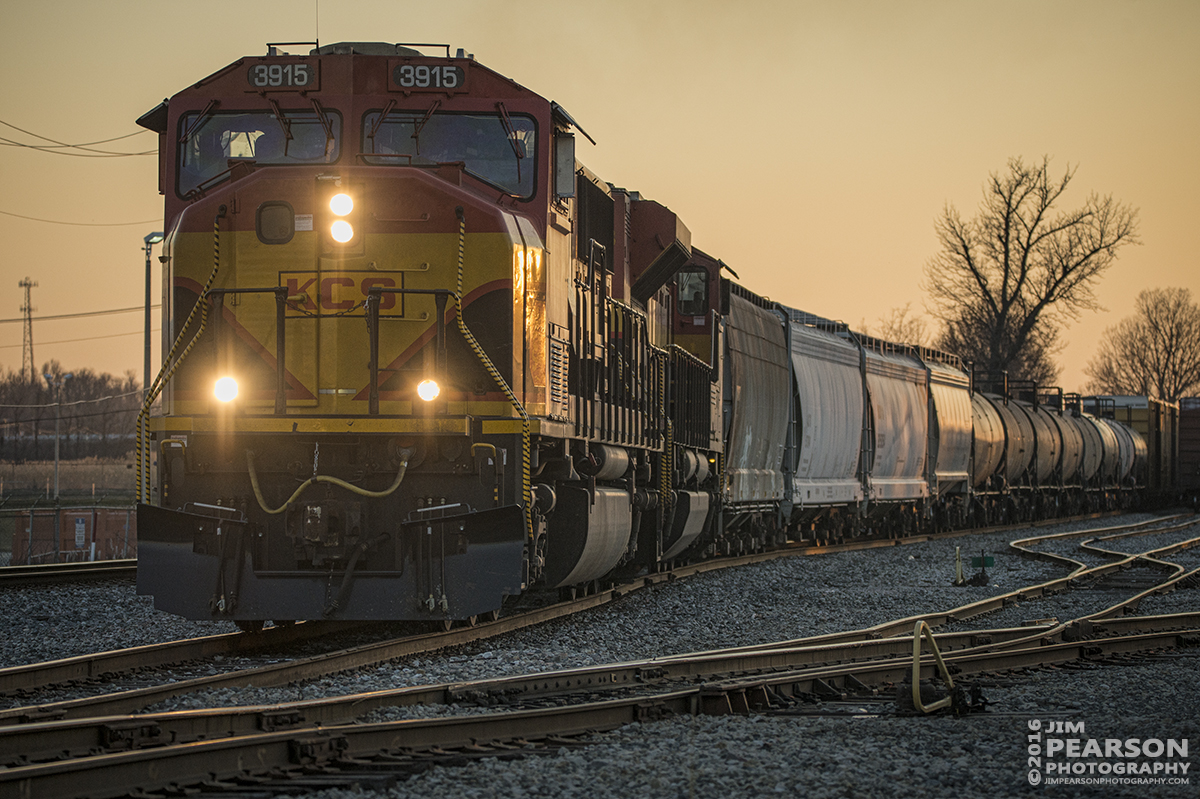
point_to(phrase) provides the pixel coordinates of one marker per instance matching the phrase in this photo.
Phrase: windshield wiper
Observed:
(284, 123)
(199, 120)
(416, 134)
(325, 124)
(512, 137)
(379, 122)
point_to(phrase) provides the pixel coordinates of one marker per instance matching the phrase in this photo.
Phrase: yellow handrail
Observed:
(168, 369)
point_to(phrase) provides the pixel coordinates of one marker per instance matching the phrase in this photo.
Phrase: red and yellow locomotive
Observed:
(418, 358)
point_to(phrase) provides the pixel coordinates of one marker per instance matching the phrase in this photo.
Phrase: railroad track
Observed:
(283, 740)
(809, 666)
(45, 573)
(1049, 546)
(107, 665)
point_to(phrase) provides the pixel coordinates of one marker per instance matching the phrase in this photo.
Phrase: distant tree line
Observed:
(98, 414)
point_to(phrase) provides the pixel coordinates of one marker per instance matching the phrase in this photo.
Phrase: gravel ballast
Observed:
(861, 756)
(782, 599)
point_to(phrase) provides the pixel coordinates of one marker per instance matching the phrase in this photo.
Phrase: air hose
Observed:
(527, 490)
(168, 369)
(323, 478)
(343, 593)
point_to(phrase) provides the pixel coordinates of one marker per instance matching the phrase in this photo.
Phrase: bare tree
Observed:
(1155, 352)
(901, 326)
(1035, 361)
(1006, 280)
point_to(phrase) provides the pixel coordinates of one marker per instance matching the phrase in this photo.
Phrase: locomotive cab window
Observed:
(692, 288)
(496, 148)
(300, 137)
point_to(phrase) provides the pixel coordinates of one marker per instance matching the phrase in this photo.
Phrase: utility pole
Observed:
(57, 385)
(27, 338)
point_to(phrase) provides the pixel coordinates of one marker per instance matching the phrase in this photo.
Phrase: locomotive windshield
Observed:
(300, 137)
(497, 148)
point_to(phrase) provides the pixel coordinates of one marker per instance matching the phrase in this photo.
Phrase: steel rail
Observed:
(49, 740)
(47, 573)
(999, 601)
(126, 733)
(1021, 545)
(1092, 545)
(44, 739)
(846, 679)
(120, 774)
(98, 665)
(148, 769)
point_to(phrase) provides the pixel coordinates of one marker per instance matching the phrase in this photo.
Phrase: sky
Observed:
(809, 145)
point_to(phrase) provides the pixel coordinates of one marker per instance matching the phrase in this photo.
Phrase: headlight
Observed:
(342, 231)
(341, 204)
(428, 390)
(226, 389)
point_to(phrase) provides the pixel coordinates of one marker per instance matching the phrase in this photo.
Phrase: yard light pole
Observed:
(150, 241)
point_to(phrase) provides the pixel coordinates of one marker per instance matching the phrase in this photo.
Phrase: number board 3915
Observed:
(276, 75)
(407, 76)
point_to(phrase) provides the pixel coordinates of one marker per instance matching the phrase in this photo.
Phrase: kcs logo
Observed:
(338, 292)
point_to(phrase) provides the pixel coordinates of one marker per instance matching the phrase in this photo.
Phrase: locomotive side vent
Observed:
(560, 349)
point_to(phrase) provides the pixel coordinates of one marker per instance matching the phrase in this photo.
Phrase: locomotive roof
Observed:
(368, 48)
(227, 78)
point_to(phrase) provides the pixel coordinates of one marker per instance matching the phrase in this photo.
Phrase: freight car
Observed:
(1188, 460)
(420, 359)
(1170, 434)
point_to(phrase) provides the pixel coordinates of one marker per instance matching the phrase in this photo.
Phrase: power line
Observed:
(88, 152)
(79, 402)
(133, 409)
(86, 143)
(80, 224)
(81, 315)
(89, 338)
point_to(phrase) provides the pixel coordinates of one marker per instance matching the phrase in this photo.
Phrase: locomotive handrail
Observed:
(168, 369)
(441, 296)
(373, 296)
(281, 297)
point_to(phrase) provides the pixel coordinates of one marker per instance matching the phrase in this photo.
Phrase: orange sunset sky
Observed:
(809, 145)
